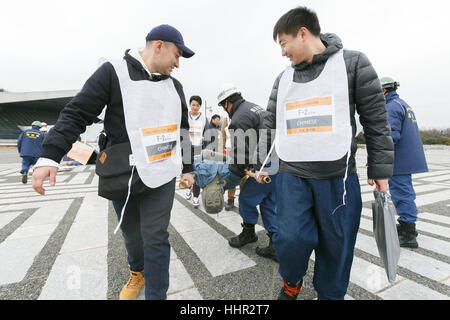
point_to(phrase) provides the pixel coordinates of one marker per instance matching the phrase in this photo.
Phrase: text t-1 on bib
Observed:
(309, 116)
(159, 142)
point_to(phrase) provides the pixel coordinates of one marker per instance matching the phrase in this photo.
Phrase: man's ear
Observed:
(302, 33)
(157, 45)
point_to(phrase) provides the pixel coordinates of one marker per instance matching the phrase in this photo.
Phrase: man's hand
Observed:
(260, 176)
(380, 184)
(189, 178)
(39, 175)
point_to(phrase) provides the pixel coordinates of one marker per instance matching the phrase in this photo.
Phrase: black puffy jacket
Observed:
(246, 121)
(365, 97)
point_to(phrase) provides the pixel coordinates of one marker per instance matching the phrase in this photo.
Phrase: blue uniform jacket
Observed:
(29, 143)
(409, 154)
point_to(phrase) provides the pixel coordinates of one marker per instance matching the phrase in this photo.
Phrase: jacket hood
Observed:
(332, 43)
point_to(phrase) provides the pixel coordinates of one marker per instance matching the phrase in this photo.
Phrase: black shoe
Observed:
(408, 235)
(289, 291)
(400, 230)
(269, 251)
(247, 235)
(24, 177)
(229, 205)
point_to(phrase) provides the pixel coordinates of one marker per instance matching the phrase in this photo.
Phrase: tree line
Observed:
(429, 136)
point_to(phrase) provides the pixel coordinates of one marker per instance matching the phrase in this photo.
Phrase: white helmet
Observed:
(226, 90)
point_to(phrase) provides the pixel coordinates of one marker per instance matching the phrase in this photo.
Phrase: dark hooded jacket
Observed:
(365, 97)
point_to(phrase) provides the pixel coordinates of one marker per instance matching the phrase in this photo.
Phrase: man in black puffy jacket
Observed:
(245, 126)
(312, 106)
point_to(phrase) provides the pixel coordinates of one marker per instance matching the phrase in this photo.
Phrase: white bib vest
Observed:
(196, 126)
(152, 113)
(313, 118)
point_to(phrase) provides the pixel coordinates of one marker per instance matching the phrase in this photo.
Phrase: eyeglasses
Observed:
(222, 104)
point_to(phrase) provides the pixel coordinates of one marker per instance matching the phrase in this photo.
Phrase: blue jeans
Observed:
(253, 194)
(27, 161)
(144, 229)
(306, 222)
(403, 196)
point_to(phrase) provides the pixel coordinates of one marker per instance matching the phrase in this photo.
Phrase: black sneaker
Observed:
(290, 292)
(24, 177)
(408, 235)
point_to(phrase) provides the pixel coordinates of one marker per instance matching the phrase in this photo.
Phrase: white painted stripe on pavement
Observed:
(433, 228)
(368, 275)
(447, 281)
(7, 217)
(50, 191)
(80, 178)
(418, 188)
(20, 253)
(73, 275)
(434, 217)
(427, 187)
(430, 198)
(191, 294)
(421, 199)
(80, 275)
(423, 265)
(90, 227)
(35, 199)
(212, 249)
(437, 178)
(232, 221)
(410, 290)
(425, 242)
(422, 215)
(29, 205)
(19, 185)
(429, 174)
(229, 219)
(78, 168)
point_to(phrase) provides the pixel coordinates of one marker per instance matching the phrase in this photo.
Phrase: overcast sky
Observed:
(56, 45)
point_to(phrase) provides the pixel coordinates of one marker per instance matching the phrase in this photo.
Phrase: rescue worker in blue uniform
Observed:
(29, 145)
(409, 159)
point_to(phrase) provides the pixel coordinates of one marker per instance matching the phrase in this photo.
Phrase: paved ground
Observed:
(62, 246)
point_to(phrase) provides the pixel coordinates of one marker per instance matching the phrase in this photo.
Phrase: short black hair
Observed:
(294, 19)
(196, 98)
(215, 116)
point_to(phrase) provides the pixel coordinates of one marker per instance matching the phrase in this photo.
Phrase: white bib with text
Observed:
(152, 113)
(313, 118)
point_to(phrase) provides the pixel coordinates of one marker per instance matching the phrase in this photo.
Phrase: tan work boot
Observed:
(133, 286)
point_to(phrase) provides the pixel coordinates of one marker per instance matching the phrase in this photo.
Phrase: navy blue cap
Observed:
(168, 33)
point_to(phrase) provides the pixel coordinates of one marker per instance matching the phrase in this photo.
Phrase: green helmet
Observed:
(36, 124)
(389, 83)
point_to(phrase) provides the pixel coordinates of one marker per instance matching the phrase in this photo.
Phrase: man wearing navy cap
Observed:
(146, 122)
